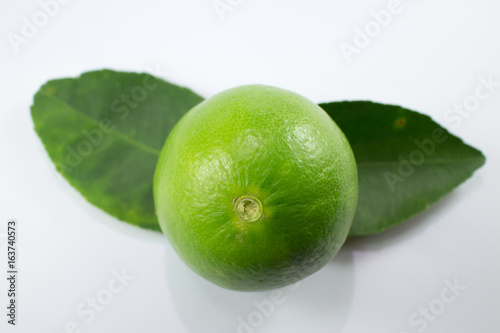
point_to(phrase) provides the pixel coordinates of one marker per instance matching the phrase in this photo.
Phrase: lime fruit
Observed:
(256, 188)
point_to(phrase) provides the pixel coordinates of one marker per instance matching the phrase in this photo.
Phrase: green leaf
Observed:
(406, 161)
(104, 132)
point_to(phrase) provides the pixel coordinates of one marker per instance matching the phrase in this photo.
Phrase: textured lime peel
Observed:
(248, 208)
(255, 187)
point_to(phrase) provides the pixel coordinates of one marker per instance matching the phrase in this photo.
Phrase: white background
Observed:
(428, 58)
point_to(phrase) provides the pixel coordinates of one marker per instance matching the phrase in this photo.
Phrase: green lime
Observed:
(256, 188)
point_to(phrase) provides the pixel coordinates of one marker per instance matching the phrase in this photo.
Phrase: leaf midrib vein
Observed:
(115, 132)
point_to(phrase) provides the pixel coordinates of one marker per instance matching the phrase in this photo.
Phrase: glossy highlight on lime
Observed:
(256, 188)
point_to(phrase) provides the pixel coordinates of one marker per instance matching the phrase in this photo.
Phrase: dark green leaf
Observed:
(406, 161)
(104, 132)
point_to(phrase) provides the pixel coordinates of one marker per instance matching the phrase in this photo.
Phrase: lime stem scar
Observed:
(248, 208)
